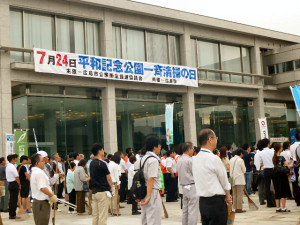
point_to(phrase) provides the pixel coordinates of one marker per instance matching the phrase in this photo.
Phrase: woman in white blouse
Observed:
(70, 186)
(237, 172)
(113, 167)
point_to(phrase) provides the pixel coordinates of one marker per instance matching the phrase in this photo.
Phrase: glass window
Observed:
(271, 69)
(285, 67)
(39, 31)
(62, 125)
(45, 89)
(157, 48)
(208, 58)
(246, 60)
(194, 52)
(117, 42)
(133, 44)
(233, 123)
(231, 61)
(92, 36)
(16, 34)
(138, 119)
(77, 29)
(297, 64)
(174, 48)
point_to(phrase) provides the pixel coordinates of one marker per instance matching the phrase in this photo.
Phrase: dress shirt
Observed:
(237, 170)
(2, 172)
(266, 156)
(70, 181)
(185, 170)
(11, 173)
(123, 166)
(39, 180)
(209, 174)
(287, 155)
(257, 160)
(128, 165)
(114, 172)
(170, 163)
(293, 150)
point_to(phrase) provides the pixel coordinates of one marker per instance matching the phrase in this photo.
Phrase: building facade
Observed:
(244, 74)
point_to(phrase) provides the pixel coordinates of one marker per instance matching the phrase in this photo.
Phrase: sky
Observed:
(278, 15)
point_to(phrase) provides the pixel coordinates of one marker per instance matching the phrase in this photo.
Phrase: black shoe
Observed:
(285, 211)
(12, 217)
(136, 213)
(278, 210)
(262, 203)
(121, 207)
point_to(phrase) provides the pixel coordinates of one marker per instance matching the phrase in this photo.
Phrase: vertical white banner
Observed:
(10, 148)
(263, 127)
(169, 123)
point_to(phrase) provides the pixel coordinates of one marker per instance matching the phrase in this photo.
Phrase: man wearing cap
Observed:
(41, 191)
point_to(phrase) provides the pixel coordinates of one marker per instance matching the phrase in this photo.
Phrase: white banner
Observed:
(71, 64)
(10, 148)
(263, 128)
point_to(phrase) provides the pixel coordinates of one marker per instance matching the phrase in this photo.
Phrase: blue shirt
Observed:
(248, 158)
(266, 156)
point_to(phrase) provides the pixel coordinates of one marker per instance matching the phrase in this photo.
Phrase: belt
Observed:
(41, 200)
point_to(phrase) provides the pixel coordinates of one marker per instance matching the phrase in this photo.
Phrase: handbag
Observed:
(86, 187)
(280, 168)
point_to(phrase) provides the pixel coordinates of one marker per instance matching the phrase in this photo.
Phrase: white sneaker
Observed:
(69, 212)
(73, 212)
(58, 210)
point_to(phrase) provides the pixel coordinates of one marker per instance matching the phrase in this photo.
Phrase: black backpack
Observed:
(139, 188)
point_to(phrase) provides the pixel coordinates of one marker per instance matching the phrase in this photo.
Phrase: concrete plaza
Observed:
(263, 216)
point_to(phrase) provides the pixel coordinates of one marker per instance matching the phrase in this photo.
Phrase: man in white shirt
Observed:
(14, 185)
(41, 191)
(123, 178)
(211, 181)
(171, 177)
(260, 179)
(266, 157)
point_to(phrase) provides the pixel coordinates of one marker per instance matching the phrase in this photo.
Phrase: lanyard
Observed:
(205, 151)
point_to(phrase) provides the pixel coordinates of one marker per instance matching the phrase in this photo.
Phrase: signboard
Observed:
(71, 64)
(9, 145)
(21, 142)
(263, 128)
(279, 139)
(169, 123)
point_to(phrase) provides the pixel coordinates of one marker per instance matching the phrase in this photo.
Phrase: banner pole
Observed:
(36, 143)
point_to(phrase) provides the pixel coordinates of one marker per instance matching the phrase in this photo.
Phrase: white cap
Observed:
(42, 153)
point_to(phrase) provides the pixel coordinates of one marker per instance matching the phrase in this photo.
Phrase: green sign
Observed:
(21, 143)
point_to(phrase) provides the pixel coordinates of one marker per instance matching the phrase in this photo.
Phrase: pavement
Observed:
(262, 216)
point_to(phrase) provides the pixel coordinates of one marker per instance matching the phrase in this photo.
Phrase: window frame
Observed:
(55, 34)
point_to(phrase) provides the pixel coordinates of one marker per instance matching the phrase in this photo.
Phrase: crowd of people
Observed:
(203, 178)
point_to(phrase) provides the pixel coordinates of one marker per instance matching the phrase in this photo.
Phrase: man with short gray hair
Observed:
(211, 181)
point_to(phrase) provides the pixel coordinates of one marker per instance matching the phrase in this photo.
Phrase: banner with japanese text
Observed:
(21, 142)
(263, 128)
(169, 123)
(72, 64)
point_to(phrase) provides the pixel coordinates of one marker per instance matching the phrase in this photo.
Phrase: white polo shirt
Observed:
(170, 163)
(11, 172)
(123, 166)
(39, 180)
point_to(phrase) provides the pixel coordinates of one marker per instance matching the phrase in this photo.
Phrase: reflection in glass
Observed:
(138, 119)
(232, 123)
(62, 125)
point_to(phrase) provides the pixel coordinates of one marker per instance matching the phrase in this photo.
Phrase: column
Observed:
(259, 105)
(109, 118)
(127, 134)
(189, 118)
(5, 80)
(106, 35)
